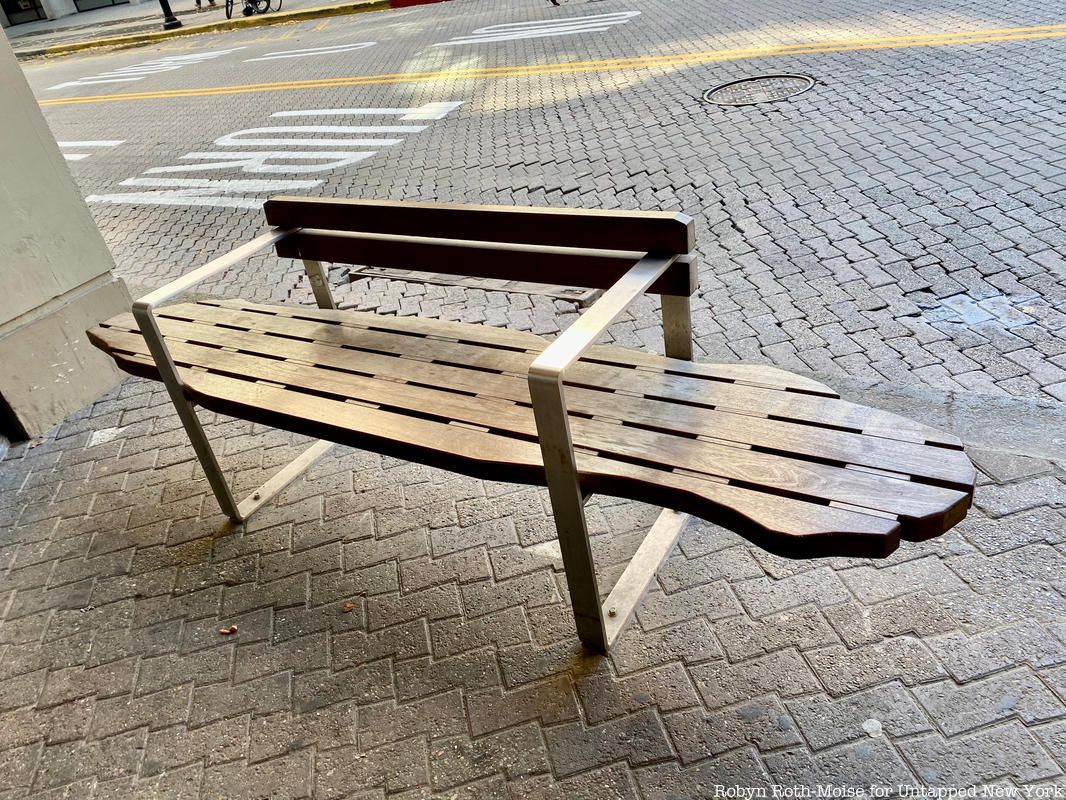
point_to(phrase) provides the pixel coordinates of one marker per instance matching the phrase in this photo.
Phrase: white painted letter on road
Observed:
(138, 72)
(543, 28)
(168, 185)
(312, 51)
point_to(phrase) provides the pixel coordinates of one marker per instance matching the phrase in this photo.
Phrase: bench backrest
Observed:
(571, 247)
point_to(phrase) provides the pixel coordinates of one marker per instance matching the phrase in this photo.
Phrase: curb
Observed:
(256, 21)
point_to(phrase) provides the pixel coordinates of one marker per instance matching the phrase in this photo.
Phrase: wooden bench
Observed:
(775, 456)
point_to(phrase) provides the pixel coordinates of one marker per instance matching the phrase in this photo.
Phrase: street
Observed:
(896, 231)
(901, 221)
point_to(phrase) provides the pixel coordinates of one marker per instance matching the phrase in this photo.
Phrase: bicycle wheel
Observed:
(229, 9)
(259, 6)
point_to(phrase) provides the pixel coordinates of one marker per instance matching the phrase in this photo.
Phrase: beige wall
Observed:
(55, 270)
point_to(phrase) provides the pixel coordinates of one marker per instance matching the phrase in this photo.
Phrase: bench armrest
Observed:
(220, 264)
(546, 380)
(168, 370)
(142, 308)
(576, 339)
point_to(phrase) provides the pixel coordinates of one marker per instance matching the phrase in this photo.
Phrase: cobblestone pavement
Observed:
(894, 231)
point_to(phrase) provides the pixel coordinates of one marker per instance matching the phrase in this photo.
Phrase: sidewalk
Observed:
(404, 629)
(134, 24)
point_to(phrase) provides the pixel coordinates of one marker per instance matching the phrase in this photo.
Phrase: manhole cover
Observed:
(761, 89)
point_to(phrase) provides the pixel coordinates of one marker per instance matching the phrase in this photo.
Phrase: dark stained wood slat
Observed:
(932, 465)
(659, 231)
(951, 468)
(783, 525)
(748, 374)
(593, 269)
(936, 466)
(924, 509)
(754, 374)
(753, 400)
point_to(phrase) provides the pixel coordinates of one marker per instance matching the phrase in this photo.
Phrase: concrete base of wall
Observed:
(50, 369)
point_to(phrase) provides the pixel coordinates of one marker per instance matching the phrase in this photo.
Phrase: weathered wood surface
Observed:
(778, 457)
(592, 249)
(665, 232)
(564, 266)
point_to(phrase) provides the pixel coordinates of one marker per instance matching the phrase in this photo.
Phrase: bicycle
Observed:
(253, 7)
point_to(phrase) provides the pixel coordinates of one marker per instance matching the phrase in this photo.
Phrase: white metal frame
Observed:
(143, 312)
(599, 625)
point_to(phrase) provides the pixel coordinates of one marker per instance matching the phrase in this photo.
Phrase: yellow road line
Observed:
(608, 65)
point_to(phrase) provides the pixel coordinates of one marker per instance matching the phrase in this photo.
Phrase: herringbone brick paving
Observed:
(900, 226)
(457, 672)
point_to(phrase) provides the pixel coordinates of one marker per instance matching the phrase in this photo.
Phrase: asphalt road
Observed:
(899, 222)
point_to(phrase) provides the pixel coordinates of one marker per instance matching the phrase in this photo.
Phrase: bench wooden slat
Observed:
(783, 525)
(671, 233)
(753, 400)
(592, 269)
(756, 374)
(925, 464)
(795, 467)
(780, 473)
(934, 465)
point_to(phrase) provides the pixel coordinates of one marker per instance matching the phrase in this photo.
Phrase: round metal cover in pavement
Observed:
(761, 89)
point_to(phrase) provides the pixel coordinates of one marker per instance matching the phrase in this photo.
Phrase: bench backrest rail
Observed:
(570, 247)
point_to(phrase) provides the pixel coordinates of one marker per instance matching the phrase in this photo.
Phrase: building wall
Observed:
(55, 273)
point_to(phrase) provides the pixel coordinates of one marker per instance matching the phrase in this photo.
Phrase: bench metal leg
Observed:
(240, 512)
(168, 371)
(568, 506)
(677, 326)
(319, 280)
(621, 604)
(600, 625)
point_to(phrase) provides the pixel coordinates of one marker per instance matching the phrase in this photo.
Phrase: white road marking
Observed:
(236, 139)
(312, 51)
(138, 72)
(543, 28)
(428, 111)
(94, 143)
(180, 191)
(87, 143)
(191, 192)
(181, 197)
(256, 161)
(229, 185)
